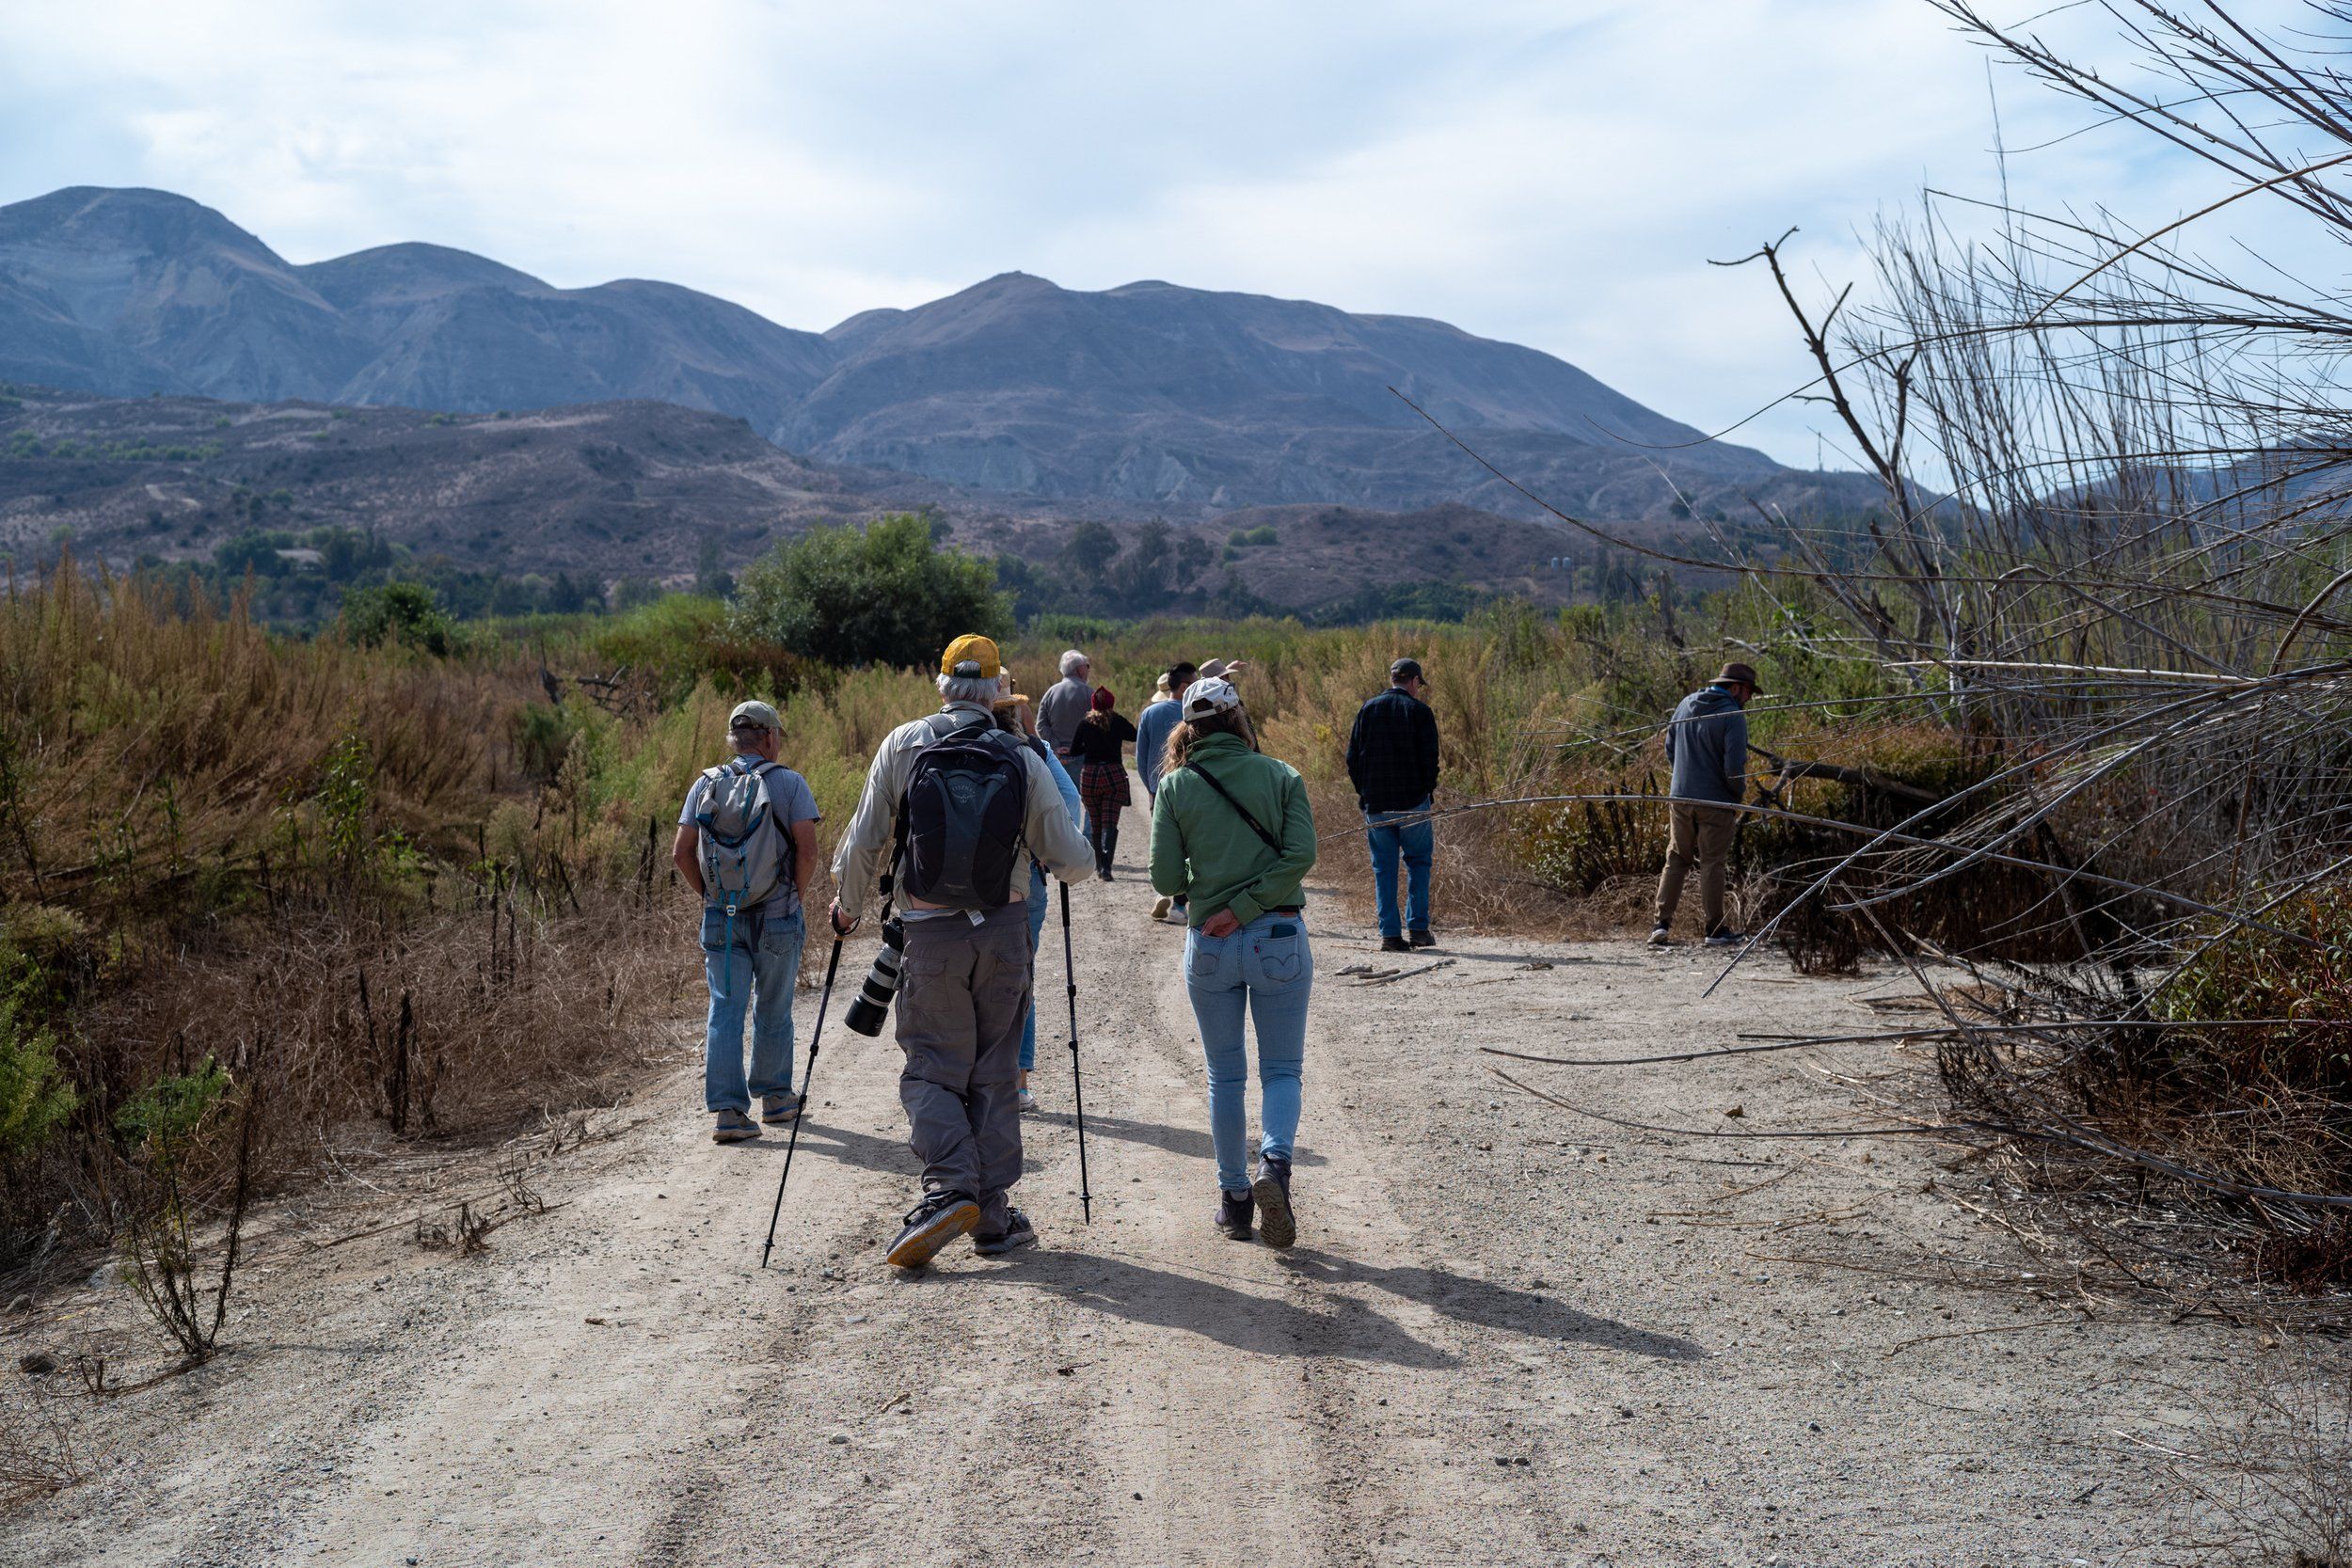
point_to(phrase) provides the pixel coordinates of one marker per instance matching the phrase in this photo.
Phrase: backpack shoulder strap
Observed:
(943, 725)
(1255, 826)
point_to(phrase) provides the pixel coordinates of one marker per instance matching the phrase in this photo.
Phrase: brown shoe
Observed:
(939, 1218)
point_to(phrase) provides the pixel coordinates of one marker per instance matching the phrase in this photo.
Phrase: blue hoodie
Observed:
(1707, 742)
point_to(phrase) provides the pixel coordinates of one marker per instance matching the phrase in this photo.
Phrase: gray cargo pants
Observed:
(965, 994)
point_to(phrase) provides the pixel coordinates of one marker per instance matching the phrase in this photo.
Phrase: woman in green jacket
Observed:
(1231, 830)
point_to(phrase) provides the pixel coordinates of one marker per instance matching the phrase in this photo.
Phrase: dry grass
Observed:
(327, 869)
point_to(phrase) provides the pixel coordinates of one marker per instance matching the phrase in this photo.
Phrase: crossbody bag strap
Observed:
(1255, 826)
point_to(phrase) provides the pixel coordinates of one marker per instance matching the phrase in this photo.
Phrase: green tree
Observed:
(1092, 548)
(1141, 576)
(884, 592)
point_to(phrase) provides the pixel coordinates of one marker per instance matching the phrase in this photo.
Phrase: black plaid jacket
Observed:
(1392, 751)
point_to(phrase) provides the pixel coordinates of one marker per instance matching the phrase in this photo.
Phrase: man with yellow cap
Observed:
(955, 805)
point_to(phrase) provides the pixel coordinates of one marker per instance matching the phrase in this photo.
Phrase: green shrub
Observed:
(165, 1115)
(35, 1099)
(881, 593)
(404, 613)
(543, 736)
(1250, 538)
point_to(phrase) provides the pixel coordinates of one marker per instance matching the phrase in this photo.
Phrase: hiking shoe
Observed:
(1272, 1190)
(733, 1126)
(1421, 938)
(1725, 938)
(1029, 1104)
(1660, 937)
(1018, 1233)
(1161, 906)
(775, 1109)
(1396, 945)
(1233, 1214)
(939, 1218)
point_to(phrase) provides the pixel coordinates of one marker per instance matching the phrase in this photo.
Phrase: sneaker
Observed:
(1660, 937)
(1726, 938)
(1018, 1233)
(1396, 945)
(1421, 938)
(733, 1126)
(939, 1218)
(1160, 907)
(1176, 915)
(1029, 1104)
(1233, 1214)
(775, 1109)
(1273, 1191)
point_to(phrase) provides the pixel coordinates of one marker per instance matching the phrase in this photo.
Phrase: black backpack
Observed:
(961, 823)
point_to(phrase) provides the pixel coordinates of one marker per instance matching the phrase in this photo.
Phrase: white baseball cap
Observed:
(1203, 698)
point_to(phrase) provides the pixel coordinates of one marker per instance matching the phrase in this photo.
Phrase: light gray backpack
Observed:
(745, 853)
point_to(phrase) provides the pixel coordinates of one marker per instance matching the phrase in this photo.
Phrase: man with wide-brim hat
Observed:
(1706, 746)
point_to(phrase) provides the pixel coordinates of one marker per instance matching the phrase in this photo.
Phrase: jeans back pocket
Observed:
(1204, 959)
(1276, 959)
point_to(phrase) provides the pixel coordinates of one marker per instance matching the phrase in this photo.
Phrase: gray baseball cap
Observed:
(755, 716)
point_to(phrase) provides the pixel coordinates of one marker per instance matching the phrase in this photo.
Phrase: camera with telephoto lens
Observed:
(871, 1005)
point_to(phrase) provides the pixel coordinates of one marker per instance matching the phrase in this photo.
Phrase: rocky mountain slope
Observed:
(1173, 399)
(643, 489)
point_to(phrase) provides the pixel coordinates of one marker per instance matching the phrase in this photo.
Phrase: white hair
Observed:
(969, 688)
(1069, 662)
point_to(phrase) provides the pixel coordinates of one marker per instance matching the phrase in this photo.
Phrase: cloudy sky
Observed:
(1557, 174)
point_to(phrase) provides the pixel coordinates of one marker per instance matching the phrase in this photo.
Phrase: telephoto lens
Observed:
(871, 1005)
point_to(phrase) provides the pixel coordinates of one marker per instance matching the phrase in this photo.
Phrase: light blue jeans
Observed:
(1267, 968)
(760, 979)
(1037, 926)
(1417, 842)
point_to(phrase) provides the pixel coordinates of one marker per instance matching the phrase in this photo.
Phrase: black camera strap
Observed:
(1255, 826)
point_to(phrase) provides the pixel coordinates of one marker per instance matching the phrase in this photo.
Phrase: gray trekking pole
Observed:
(815, 1036)
(1077, 1089)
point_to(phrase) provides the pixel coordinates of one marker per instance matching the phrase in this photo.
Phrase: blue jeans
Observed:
(761, 979)
(1418, 841)
(1037, 926)
(1266, 966)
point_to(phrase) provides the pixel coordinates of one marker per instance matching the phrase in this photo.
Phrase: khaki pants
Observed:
(1703, 833)
(966, 996)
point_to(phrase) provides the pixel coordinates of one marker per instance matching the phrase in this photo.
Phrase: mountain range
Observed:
(1148, 398)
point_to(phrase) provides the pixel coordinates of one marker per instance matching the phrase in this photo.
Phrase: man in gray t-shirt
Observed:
(753, 959)
(1065, 703)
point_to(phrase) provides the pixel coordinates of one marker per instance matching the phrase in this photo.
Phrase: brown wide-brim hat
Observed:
(1739, 675)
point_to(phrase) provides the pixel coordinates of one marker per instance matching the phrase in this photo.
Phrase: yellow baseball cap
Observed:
(975, 651)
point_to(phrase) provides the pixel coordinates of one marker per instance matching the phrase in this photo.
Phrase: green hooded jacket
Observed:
(1203, 849)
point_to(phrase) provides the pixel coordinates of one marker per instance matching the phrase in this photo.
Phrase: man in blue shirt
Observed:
(1153, 728)
(753, 959)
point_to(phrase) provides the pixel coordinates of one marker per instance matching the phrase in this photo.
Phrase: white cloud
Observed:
(1556, 174)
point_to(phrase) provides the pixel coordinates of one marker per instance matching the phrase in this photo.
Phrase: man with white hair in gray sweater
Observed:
(1065, 703)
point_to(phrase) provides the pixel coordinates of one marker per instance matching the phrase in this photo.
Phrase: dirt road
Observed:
(1508, 1335)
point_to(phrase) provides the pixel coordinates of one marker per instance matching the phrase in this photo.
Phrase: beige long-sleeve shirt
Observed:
(864, 852)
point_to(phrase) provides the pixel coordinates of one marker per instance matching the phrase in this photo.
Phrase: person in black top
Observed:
(1099, 743)
(1392, 761)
